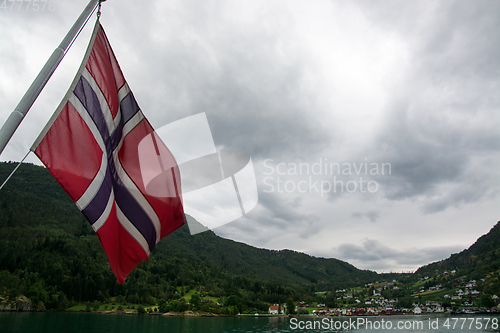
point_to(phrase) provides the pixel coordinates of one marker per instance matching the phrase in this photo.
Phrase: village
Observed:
(379, 299)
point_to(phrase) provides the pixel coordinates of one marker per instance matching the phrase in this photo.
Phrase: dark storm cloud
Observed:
(419, 157)
(462, 33)
(248, 77)
(473, 189)
(443, 118)
(273, 218)
(284, 214)
(372, 254)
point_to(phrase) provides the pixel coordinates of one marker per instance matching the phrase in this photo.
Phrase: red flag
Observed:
(91, 147)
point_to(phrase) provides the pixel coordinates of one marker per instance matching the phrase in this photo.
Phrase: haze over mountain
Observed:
(479, 260)
(49, 252)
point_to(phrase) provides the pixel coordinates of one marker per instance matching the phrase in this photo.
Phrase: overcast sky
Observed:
(373, 126)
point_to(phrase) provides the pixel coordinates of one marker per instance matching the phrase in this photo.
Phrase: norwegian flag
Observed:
(91, 147)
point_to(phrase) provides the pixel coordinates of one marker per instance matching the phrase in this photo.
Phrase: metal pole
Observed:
(36, 87)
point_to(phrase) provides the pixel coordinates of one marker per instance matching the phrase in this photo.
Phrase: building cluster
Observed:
(463, 298)
(428, 307)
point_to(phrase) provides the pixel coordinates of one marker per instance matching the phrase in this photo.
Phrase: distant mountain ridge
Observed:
(285, 266)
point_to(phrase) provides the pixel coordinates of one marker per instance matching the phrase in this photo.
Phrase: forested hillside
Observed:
(479, 264)
(49, 253)
(477, 261)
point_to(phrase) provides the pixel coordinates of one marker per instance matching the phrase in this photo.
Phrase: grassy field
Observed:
(421, 283)
(187, 296)
(436, 294)
(133, 307)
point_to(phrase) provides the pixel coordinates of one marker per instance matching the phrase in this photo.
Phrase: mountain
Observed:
(50, 253)
(478, 261)
(284, 266)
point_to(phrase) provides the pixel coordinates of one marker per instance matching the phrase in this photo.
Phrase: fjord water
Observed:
(24, 322)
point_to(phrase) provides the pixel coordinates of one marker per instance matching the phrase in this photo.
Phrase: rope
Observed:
(18, 165)
(81, 28)
(99, 9)
(67, 49)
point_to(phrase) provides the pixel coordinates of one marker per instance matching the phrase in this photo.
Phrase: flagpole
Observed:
(15, 118)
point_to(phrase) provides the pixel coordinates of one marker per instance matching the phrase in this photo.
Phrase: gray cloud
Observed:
(372, 215)
(372, 254)
(442, 119)
(249, 77)
(273, 218)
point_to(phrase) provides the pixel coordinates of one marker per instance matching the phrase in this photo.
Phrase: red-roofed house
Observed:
(276, 309)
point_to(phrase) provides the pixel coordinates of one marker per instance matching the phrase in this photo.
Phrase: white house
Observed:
(276, 309)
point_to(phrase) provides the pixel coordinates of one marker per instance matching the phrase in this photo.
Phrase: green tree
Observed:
(181, 305)
(63, 302)
(302, 310)
(100, 296)
(141, 310)
(487, 301)
(330, 300)
(163, 306)
(290, 307)
(195, 301)
(234, 302)
(404, 302)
